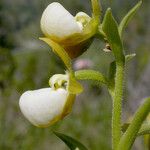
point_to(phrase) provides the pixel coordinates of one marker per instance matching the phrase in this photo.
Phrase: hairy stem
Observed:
(129, 136)
(117, 105)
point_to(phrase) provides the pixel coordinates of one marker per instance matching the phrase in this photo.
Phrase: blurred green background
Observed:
(27, 63)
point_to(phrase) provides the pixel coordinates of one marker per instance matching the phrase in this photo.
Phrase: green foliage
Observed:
(110, 28)
(128, 17)
(70, 142)
(91, 75)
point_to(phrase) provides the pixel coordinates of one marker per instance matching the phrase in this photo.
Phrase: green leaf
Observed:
(110, 28)
(128, 17)
(129, 57)
(60, 52)
(90, 75)
(70, 142)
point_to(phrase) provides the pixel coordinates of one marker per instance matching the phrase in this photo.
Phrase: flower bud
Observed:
(43, 107)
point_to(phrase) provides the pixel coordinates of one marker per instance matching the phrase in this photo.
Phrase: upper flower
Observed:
(57, 22)
(72, 33)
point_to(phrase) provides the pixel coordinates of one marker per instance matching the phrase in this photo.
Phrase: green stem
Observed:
(96, 8)
(91, 75)
(129, 136)
(117, 105)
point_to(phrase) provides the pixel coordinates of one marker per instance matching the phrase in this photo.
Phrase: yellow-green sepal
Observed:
(74, 87)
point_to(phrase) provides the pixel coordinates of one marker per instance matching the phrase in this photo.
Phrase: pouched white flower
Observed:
(56, 21)
(73, 33)
(44, 106)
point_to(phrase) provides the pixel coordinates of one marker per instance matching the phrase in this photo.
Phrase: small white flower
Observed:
(58, 22)
(43, 107)
(73, 33)
(46, 106)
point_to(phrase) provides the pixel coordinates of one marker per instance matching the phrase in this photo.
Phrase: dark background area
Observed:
(27, 63)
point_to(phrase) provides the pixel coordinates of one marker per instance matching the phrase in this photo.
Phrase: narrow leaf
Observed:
(90, 75)
(70, 142)
(60, 52)
(128, 17)
(110, 28)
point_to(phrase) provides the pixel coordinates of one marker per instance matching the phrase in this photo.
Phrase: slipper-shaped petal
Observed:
(57, 22)
(43, 107)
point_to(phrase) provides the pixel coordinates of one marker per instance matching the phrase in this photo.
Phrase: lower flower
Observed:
(46, 106)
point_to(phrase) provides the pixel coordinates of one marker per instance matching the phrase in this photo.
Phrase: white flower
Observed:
(58, 22)
(43, 107)
(73, 33)
(46, 106)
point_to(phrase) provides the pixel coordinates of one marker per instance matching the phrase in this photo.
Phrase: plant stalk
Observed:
(117, 105)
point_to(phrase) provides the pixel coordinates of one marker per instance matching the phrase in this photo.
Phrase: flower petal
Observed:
(83, 18)
(58, 22)
(44, 106)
